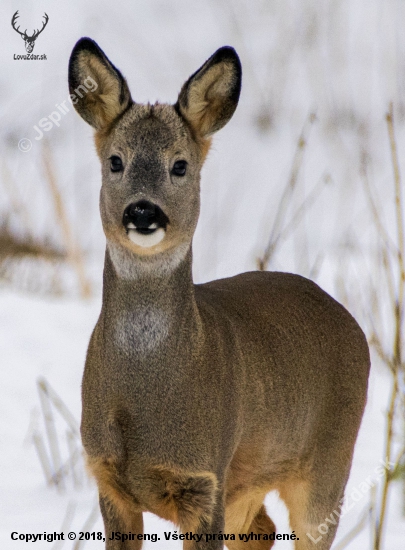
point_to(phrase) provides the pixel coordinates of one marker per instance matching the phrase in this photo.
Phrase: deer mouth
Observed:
(145, 223)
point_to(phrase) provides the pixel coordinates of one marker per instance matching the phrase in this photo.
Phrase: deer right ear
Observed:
(98, 90)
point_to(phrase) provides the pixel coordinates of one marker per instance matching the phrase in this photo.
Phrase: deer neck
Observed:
(150, 306)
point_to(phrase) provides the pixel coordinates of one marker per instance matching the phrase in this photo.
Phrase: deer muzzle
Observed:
(145, 223)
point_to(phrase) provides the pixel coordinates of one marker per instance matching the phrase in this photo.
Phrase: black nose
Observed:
(145, 216)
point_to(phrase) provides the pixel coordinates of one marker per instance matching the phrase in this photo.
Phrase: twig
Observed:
(91, 520)
(375, 341)
(67, 522)
(58, 403)
(287, 193)
(398, 195)
(400, 231)
(43, 456)
(398, 460)
(63, 471)
(301, 210)
(51, 433)
(387, 473)
(389, 275)
(376, 216)
(73, 453)
(388, 244)
(355, 531)
(398, 316)
(316, 267)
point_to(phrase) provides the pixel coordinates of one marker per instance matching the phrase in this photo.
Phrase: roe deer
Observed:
(200, 399)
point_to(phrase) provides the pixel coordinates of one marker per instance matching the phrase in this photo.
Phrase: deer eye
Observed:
(179, 168)
(115, 164)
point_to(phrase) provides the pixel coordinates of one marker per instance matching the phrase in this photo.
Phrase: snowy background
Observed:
(296, 167)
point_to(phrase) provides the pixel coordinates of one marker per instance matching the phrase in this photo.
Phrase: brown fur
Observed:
(184, 499)
(257, 522)
(199, 399)
(108, 481)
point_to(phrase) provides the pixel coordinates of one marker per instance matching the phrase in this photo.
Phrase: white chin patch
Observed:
(146, 241)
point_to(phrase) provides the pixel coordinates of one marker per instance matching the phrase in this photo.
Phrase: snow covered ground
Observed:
(48, 338)
(342, 60)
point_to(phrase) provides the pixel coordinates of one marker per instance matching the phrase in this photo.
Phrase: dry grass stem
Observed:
(87, 527)
(74, 454)
(12, 247)
(398, 194)
(74, 252)
(381, 512)
(59, 405)
(357, 529)
(395, 362)
(388, 242)
(66, 524)
(58, 472)
(52, 436)
(43, 456)
(399, 207)
(72, 461)
(17, 203)
(375, 341)
(298, 215)
(277, 231)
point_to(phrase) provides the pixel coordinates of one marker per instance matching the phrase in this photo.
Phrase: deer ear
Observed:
(98, 90)
(209, 97)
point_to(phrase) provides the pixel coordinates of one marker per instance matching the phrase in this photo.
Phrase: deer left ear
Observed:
(210, 96)
(100, 92)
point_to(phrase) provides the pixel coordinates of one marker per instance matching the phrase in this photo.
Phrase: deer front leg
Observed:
(194, 502)
(206, 536)
(116, 526)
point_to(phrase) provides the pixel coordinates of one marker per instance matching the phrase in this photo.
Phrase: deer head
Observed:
(152, 154)
(29, 40)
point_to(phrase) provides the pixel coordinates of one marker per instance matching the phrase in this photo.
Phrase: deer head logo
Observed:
(29, 40)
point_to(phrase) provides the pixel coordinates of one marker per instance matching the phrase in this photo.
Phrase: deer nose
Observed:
(145, 217)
